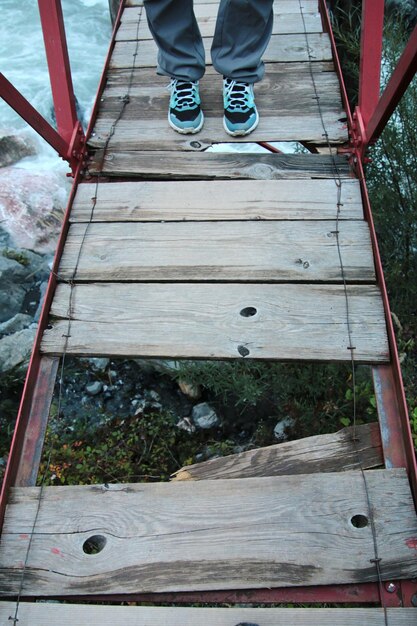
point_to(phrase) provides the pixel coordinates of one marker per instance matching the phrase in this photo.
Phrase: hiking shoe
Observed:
(185, 115)
(240, 113)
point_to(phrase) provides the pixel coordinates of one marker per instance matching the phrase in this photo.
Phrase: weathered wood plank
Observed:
(291, 93)
(202, 8)
(147, 78)
(225, 534)
(43, 614)
(289, 251)
(284, 24)
(281, 48)
(335, 452)
(145, 201)
(300, 322)
(154, 133)
(202, 165)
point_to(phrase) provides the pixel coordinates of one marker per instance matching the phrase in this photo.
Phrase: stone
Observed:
(282, 426)
(32, 208)
(15, 147)
(15, 350)
(14, 324)
(42, 291)
(191, 391)
(94, 388)
(186, 424)
(99, 364)
(204, 416)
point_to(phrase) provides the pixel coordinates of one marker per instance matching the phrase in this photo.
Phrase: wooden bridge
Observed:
(172, 250)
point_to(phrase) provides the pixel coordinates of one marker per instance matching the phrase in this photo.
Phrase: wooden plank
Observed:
(202, 7)
(219, 251)
(291, 93)
(284, 24)
(147, 79)
(335, 452)
(205, 165)
(154, 133)
(281, 48)
(224, 534)
(44, 614)
(298, 322)
(154, 201)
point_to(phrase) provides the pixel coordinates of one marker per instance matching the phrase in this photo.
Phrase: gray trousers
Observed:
(243, 30)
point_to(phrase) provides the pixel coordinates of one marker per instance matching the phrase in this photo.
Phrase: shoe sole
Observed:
(242, 132)
(187, 131)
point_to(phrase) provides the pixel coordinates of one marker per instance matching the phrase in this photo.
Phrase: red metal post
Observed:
(371, 54)
(397, 84)
(59, 67)
(19, 103)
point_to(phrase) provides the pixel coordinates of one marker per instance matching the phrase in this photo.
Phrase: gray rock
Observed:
(16, 349)
(15, 147)
(42, 292)
(204, 416)
(281, 427)
(11, 300)
(99, 364)
(94, 388)
(16, 323)
(186, 424)
(10, 269)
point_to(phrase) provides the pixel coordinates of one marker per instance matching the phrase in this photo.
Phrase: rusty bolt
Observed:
(391, 587)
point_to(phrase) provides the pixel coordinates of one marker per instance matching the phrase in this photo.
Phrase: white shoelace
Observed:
(184, 94)
(237, 95)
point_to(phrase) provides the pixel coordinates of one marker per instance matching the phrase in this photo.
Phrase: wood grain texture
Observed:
(225, 534)
(335, 452)
(290, 92)
(287, 251)
(287, 86)
(155, 201)
(204, 8)
(284, 23)
(184, 320)
(155, 133)
(155, 165)
(281, 48)
(43, 614)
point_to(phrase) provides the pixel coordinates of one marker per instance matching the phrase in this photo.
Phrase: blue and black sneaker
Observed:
(240, 113)
(185, 114)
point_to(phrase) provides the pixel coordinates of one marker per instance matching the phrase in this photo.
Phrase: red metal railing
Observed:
(374, 110)
(371, 116)
(68, 140)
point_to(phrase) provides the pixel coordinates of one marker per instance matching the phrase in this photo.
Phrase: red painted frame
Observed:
(27, 418)
(69, 140)
(397, 449)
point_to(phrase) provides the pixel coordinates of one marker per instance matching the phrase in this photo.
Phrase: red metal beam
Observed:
(59, 66)
(365, 593)
(16, 465)
(396, 435)
(14, 98)
(397, 84)
(371, 54)
(36, 423)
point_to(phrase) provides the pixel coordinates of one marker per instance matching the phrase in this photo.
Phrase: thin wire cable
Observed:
(124, 100)
(338, 181)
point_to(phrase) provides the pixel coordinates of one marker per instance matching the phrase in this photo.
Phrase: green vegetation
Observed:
(392, 184)
(14, 255)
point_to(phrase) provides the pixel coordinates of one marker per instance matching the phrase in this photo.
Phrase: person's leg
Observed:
(243, 31)
(176, 33)
(181, 57)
